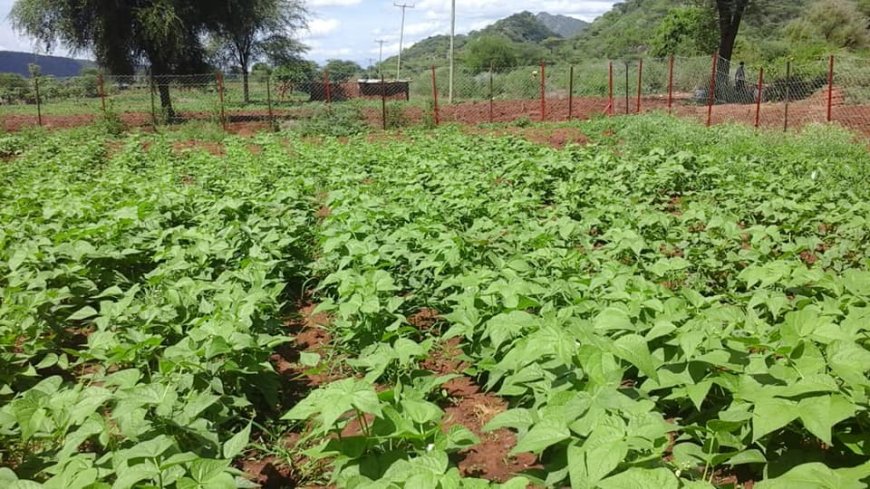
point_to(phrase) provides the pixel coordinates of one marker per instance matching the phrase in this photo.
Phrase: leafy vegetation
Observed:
(667, 307)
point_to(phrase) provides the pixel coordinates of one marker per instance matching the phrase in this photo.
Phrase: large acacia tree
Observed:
(252, 29)
(123, 34)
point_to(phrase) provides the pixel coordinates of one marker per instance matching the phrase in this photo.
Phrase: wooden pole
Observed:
(711, 97)
(671, 84)
(758, 97)
(639, 84)
(570, 92)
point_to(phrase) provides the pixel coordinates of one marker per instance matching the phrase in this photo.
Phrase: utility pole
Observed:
(380, 55)
(402, 6)
(452, 35)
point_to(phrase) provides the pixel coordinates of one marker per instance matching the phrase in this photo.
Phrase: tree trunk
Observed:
(166, 100)
(730, 16)
(245, 90)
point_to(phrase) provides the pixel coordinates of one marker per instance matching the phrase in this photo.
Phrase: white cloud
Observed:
(322, 27)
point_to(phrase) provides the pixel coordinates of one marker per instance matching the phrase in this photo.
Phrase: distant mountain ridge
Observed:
(59, 66)
(562, 25)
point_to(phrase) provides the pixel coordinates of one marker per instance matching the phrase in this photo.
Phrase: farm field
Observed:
(665, 306)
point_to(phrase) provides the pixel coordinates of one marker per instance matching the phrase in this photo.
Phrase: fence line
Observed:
(783, 95)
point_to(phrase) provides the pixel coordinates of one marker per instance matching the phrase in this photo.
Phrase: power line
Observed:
(402, 6)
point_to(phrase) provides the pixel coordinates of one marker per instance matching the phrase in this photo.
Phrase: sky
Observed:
(348, 29)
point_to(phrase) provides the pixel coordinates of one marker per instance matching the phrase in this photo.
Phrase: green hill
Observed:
(771, 29)
(17, 62)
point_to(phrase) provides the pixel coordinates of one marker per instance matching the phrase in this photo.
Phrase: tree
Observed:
(291, 74)
(836, 23)
(730, 15)
(167, 34)
(686, 31)
(250, 29)
(341, 71)
(490, 50)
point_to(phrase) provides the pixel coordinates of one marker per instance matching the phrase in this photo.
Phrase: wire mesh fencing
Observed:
(711, 90)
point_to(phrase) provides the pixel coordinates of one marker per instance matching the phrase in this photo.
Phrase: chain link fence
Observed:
(710, 90)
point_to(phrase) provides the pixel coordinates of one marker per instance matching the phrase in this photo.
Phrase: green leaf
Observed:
(587, 467)
(612, 318)
(811, 476)
(83, 313)
(203, 470)
(771, 414)
(237, 443)
(633, 349)
(819, 414)
(748, 457)
(542, 435)
(636, 478)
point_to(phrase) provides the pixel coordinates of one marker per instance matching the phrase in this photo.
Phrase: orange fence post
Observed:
(831, 90)
(711, 97)
(758, 97)
(327, 86)
(670, 84)
(435, 97)
(639, 84)
(543, 92)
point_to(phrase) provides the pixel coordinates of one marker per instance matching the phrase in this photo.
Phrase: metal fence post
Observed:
(38, 101)
(758, 97)
(435, 98)
(269, 101)
(711, 97)
(639, 84)
(610, 88)
(626, 87)
(220, 86)
(570, 92)
(102, 88)
(670, 84)
(787, 94)
(383, 102)
(543, 92)
(327, 87)
(831, 89)
(491, 96)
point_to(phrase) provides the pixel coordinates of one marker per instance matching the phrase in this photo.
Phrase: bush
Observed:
(339, 120)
